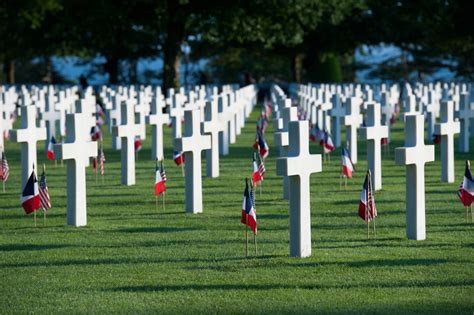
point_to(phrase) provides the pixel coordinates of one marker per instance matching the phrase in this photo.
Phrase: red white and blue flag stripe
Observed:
(178, 157)
(30, 198)
(367, 209)
(258, 169)
(138, 144)
(45, 201)
(466, 189)
(261, 145)
(50, 153)
(326, 143)
(249, 214)
(347, 165)
(159, 182)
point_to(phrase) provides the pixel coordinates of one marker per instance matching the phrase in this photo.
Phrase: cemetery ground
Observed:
(133, 258)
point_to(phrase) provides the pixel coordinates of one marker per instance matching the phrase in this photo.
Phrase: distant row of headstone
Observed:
(332, 107)
(213, 118)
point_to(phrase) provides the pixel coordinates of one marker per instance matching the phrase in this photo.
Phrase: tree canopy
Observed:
(293, 40)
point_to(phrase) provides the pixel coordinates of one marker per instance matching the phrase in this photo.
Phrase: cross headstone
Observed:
(127, 130)
(410, 106)
(466, 114)
(28, 135)
(77, 151)
(415, 155)
(157, 119)
(352, 121)
(193, 143)
(281, 140)
(298, 166)
(337, 113)
(212, 126)
(447, 128)
(113, 117)
(374, 132)
(176, 114)
(50, 116)
(224, 134)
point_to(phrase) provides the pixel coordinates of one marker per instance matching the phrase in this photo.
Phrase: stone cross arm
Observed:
(191, 144)
(74, 151)
(25, 135)
(415, 151)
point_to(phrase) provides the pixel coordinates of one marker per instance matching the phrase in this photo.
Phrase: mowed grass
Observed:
(132, 258)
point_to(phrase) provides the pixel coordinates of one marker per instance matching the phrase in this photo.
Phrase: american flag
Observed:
(45, 201)
(163, 173)
(101, 161)
(367, 209)
(4, 168)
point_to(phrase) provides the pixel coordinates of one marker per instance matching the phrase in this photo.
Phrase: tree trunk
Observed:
(296, 62)
(172, 46)
(9, 71)
(112, 68)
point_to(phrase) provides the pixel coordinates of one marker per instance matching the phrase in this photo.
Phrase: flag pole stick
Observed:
(345, 182)
(55, 163)
(260, 188)
(182, 168)
(246, 237)
(255, 243)
(44, 217)
(156, 203)
(163, 199)
(35, 217)
(375, 233)
(3, 186)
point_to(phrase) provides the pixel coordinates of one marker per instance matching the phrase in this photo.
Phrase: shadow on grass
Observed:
(29, 247)
(279, 286)
(153, 229)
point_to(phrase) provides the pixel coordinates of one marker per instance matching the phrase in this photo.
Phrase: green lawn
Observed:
(134, 259)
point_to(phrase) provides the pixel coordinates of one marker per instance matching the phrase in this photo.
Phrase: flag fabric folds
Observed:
(101, 161)
(159, 182)
(45, 201)
(50, 153)
(163, 173)
(466, 189)
(367, 209)
(30, 198)
(347, 166)
(4, 168)
(178, 157)
(316, 134)
(258, 169)
(138, 144)
(249, 214)
(326, 143)
(261, 145)
(96, 133)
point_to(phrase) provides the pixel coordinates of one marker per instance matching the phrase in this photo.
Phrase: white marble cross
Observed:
(281, 139)
(176, 114)
(374, 132)
(298, 166)
(114, 118)
(466, 114)
(338, 113)
(352, 121)
(127, 130)
(50, 116)
(88, 109)
(415, 155)
(212, 126)
(28, 135)
(157, 119)
(224, 134)
(410, 106)
(77, 151)
(432, 112)
(447, 128)
(193, 143)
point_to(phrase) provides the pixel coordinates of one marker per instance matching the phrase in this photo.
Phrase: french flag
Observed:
(466, 190)
(436, 139)
(347, 165)
(178, 157)
(159, 181)
(249, 214)
(367, 210)
(256, 175)
(138, 144)
(50, 153)
(326, 143)
(316, 134)
(261, 145)
(30, 198)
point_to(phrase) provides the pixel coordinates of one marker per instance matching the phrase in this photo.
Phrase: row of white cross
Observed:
(296, 164)
(224, 116)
